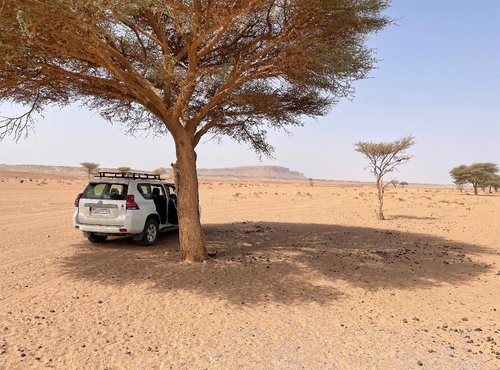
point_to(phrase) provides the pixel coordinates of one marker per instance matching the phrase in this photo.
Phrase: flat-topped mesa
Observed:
(257, 172)
(263, 172)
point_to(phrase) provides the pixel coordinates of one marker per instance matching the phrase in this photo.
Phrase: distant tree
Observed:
(384, 158)
(394, 183)
(477, 174)
(124, 169)
(403, 184)
(90, 167)
(493, 182)
(311, 182)
(189, 67)
(160, 171)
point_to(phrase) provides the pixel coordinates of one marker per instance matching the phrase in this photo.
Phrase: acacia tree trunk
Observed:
(475, 188)
(380, 187)
(191, 238)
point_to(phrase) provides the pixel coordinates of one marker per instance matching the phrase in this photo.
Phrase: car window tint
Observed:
(171, 190)
(159, 187)
(98, 189)
(144, 190)
(105, 191)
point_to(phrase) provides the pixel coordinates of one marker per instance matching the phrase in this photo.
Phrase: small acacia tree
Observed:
(394, 183)
(90, 167)
(477, 174)
(189, 67)
(384, 158)
(161, 171)
(124, 169)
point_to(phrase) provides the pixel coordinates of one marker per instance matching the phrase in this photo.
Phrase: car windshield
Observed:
(104, 190)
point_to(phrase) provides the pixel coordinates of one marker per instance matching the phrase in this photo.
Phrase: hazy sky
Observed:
(438, 79)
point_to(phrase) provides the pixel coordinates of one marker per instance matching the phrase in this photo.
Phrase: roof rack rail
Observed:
(129, 175)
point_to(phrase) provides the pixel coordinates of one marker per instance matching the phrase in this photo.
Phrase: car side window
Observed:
(171, 190)
(159, 187)
(145, 190)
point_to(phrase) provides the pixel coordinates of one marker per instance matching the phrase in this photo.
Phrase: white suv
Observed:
(116, 203)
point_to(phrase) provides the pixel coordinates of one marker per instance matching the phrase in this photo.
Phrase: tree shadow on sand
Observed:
(408, 217)
(283, 262)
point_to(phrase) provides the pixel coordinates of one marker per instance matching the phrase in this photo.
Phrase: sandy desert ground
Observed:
(304, 277)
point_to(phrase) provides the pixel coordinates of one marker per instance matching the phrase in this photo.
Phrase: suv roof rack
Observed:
(129, 175)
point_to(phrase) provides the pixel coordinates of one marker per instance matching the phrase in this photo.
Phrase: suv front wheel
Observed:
(150, 233)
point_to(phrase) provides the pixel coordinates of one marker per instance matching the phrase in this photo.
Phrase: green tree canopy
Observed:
(493, 182)
(477, 174)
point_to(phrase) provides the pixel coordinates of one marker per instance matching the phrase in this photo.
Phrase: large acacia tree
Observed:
(477, 174)
(187, 67)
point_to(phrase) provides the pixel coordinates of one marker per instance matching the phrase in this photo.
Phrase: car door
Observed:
(160, 199)
(172, 204)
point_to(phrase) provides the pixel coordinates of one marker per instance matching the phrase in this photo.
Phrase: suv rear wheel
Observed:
(150, 233)
(93, 238)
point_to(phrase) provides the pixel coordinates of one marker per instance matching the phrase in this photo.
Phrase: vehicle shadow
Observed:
(258, 262)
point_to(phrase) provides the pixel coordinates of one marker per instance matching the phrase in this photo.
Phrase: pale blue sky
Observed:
(438, 79)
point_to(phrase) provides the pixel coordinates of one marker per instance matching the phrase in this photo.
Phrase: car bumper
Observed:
(104, 230)
(125, 229)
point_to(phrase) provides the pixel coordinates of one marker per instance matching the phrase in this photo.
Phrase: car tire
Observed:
(150, 233)
(93, 238)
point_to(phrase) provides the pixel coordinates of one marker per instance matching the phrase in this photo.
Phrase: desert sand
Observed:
(303, 277)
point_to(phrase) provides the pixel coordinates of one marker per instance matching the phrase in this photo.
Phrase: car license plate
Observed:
(99, 211)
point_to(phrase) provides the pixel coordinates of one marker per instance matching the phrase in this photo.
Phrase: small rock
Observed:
(213, 358)
(420, 363)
